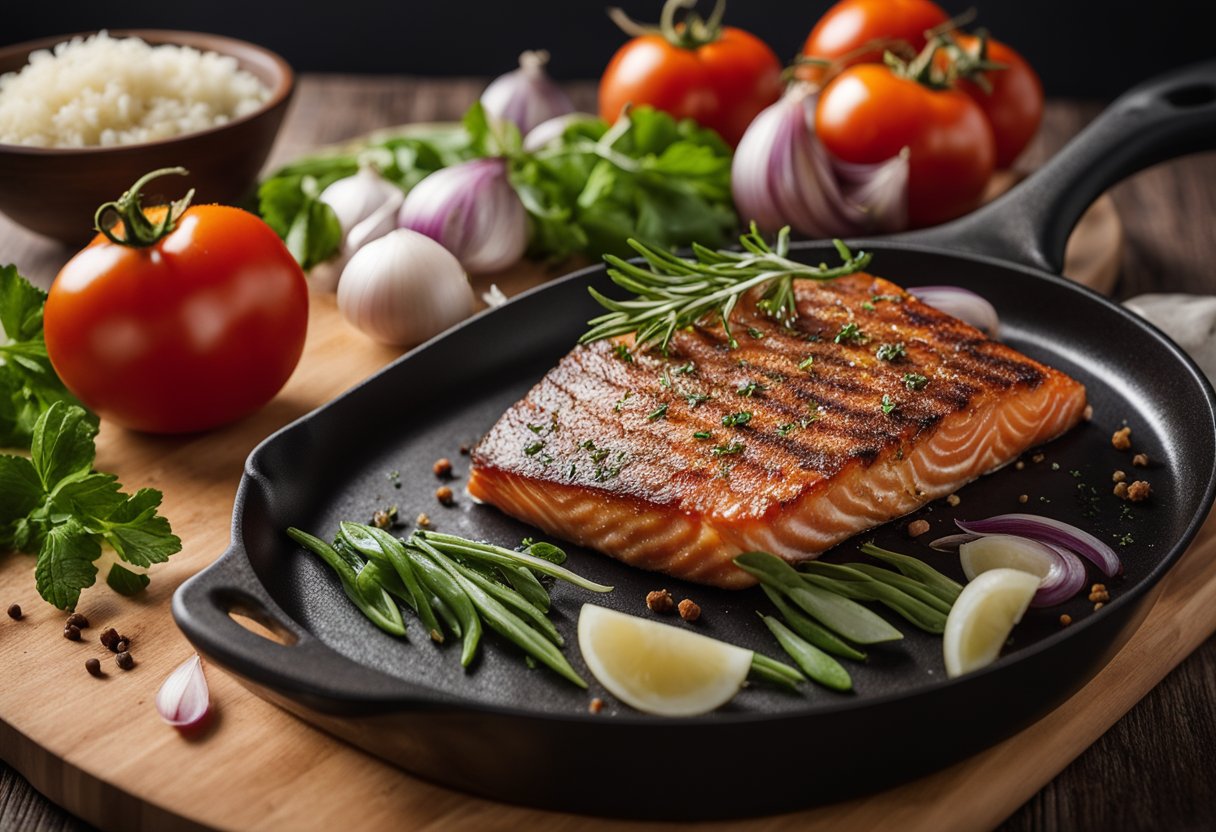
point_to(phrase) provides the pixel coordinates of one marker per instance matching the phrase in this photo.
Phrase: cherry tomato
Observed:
(869, 114)
(852, 24)
(194, 331)
(1014, 105)
(722, 83)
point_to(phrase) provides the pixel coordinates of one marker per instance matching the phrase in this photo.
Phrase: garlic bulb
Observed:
(782, 175)
(526, 96)
(404, 288)
(366, 205)
(473, 211)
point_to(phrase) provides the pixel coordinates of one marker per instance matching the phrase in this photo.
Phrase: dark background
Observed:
(1081, 48)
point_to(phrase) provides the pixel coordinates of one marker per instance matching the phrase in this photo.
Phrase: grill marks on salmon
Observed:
(627, 452)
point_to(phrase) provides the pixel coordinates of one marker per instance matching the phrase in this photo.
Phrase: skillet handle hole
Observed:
(1192, 95)
(250, 615)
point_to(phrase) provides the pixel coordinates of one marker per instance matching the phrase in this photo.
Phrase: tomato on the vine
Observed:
(1013, 102)
(192, 319)
(848, 27)
(719, 76)
(868, 113)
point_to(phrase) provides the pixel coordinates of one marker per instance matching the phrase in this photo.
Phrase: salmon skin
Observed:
(869, 406)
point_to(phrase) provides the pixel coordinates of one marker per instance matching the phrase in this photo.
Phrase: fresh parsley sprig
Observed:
(54, 504)
(672, 292)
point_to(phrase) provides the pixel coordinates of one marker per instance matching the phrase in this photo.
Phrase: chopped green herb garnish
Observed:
(734, 420)
(891, 352)
(784, 430)
(914, 381)
(749, 388)
(735, 447)
(685, 369)
(888, 404)
(695, 399)
(659, 412)
(869, 307)
(620, 403)
(702, 434)
(1055, 466)
(622, 352)
(534, 448)
(805, 364)
(850, 333)
(755, 333)
(665, 379)
(537, 429)
(891, 298)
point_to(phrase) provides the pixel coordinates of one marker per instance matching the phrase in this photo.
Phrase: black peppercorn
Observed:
(71, 632)
(93, 666)
(78, 620)
(124, 660)
(14, 612)
(110, 638)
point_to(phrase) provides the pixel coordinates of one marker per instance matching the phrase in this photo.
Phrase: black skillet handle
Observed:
(1168, 116)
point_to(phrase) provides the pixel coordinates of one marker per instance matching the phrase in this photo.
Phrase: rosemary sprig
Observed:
(675, 292)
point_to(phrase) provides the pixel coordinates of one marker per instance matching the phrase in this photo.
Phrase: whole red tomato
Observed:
(192, 331)
(850, 25)
(870, 114)
(720, 76)
(1014, 101)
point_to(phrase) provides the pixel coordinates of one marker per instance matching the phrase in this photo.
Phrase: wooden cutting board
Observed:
(97, 747)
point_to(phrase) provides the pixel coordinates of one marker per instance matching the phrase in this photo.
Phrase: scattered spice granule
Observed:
(1098, 593)
(595, 705)
(110, 638)
(77, 620)
(1065, 620)
(71, 632)
(1023, 498)
(14, 612)
(1121, 439)
(93, 666)
(442, 467)
(1088, 413)
(1019, 465)
(660, 601)
(124, 660)
(1037, 458)
(423, 520)
(1140, 460)
(464, 450)
(917, 527)
(381, 519)
(1098, 606)
(1121, 490)
(1139, 491)
(953, 500)
(1118, 476)
(689, 610)
(444, 495)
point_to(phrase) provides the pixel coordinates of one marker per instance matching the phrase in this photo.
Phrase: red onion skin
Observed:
(1042, 530)
(1068, 586)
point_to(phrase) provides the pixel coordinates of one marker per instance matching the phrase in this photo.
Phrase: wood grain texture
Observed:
(1151, 771)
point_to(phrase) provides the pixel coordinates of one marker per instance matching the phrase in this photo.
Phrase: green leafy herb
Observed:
(814, 662)
(695, 399)
(534, 448)
(755, 333)
(915, 381)
(659, 412)
(850, 333)
(292, 207)
(672, 292)
(55, 505)
(28, 382)
(685, 369)
(702, 434)
(735, 420)
(622, 352)
(867, 306)
(727, 450)
(750, 388)
(805, 364)
(888, 404)
(891, 352)
(620, 403)
(785, 429)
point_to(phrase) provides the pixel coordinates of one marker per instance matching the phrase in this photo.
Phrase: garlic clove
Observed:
(473, 211)
(366, 205)
(526, 96)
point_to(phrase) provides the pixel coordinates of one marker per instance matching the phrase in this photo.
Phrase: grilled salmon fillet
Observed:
(868, 407)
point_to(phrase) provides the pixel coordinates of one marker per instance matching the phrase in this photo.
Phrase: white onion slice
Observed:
(183, 699)
(962, 303)
(1047, 530)
(1061, 573)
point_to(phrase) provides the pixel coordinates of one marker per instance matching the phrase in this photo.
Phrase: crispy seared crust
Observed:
(592, 455)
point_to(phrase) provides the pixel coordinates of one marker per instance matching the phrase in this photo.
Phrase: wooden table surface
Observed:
(1153, 769)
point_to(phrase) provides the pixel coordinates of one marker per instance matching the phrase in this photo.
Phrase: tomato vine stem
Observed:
(139, 231)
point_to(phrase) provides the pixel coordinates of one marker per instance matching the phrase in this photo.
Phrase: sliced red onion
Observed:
(1061, 573)
(1048, 530)
(962, 303)
(951, 542)
(183, 699)
(782, 175)
(472, 211)
(526, 96)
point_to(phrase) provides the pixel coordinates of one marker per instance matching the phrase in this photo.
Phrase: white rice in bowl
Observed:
(101, 91)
